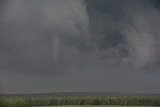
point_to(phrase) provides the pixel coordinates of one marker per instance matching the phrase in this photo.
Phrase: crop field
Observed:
(93, 106)
(84, 101)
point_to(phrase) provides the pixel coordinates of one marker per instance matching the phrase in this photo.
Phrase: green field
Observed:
(94, 101)
(95, 106)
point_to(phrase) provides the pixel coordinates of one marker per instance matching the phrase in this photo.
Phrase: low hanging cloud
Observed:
(143, 35)
(54, 36)
(32, 33)
(128, 30)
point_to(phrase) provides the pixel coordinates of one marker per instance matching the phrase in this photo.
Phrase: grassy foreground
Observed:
(85, 100)
(94, 106)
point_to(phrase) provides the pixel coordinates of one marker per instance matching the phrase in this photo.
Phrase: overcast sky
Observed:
(79, 46)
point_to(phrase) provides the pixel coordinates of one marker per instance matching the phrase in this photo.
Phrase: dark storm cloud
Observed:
(92, 45)
(130, 28)
(50, 37)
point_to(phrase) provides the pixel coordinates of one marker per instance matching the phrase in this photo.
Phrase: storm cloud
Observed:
(79, 37)
(31, 33)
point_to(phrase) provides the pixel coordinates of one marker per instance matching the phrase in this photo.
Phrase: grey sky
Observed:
(76, 45)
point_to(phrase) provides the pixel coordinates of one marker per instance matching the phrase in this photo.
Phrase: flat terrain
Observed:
(94, 106)
(78, 101)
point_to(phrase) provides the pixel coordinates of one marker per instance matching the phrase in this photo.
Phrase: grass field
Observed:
(105, 101)
(95, 106)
